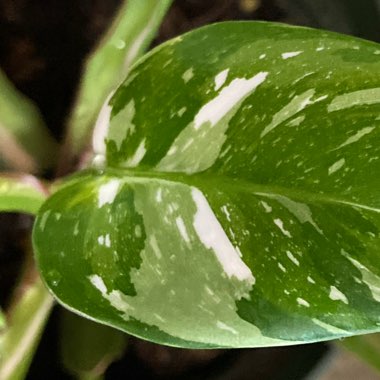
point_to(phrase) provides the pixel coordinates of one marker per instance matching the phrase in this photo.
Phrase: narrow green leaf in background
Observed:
(21, 193)
(31, 302)
(236, 200)
(2, 321)
(19, 340)
(87, 348)
(25, 142)
(134, 28)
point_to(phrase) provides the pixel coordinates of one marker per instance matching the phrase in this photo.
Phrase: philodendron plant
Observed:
(232, 198)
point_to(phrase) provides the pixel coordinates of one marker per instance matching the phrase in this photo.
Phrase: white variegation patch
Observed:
(290, 54)
(297, 104)
(355, 98)
(137, 156)
(191, 151)
(337, 295)
(212, 235)
(220, 79)
(356, 137)
(336, 166)
(108, 192)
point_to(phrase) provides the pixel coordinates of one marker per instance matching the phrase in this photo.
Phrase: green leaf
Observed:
(25, 142)
(21, 193)
(2, 320)
(19, 340)
(367, 347)
(88, 348)
(129, 36)
(237, 197)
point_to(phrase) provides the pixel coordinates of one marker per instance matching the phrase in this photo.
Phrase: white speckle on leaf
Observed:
(44, 219)
(239, 251)
(76, 228)
(290, 54)
(355, 98)
(281, 267)
(226, 213)
(292, 258)
(98, 282)
(309, 279)
(296, 121)
(107, 240)
(188, 74)
(138, 232)
(336, 166)
(302, 302)
(300, 210)
(225, 327)
(337, 295)
(159, 317)
(220, 79)
(356, 137)
(267, 208)
(107, 192)
(172, 150)
(181, 111)
(297, 104)
(212, 235)
(280, 224)
(182, 229)
(209, 291)
(159, 195)
(153, 243)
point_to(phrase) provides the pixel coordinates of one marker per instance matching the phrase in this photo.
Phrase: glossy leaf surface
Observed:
(237, 197)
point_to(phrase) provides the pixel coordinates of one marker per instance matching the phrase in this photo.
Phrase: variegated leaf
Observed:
(236, 199)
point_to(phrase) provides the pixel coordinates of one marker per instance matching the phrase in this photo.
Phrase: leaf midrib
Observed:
(200, 179)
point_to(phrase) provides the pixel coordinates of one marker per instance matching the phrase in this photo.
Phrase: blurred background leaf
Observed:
(88, 348)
